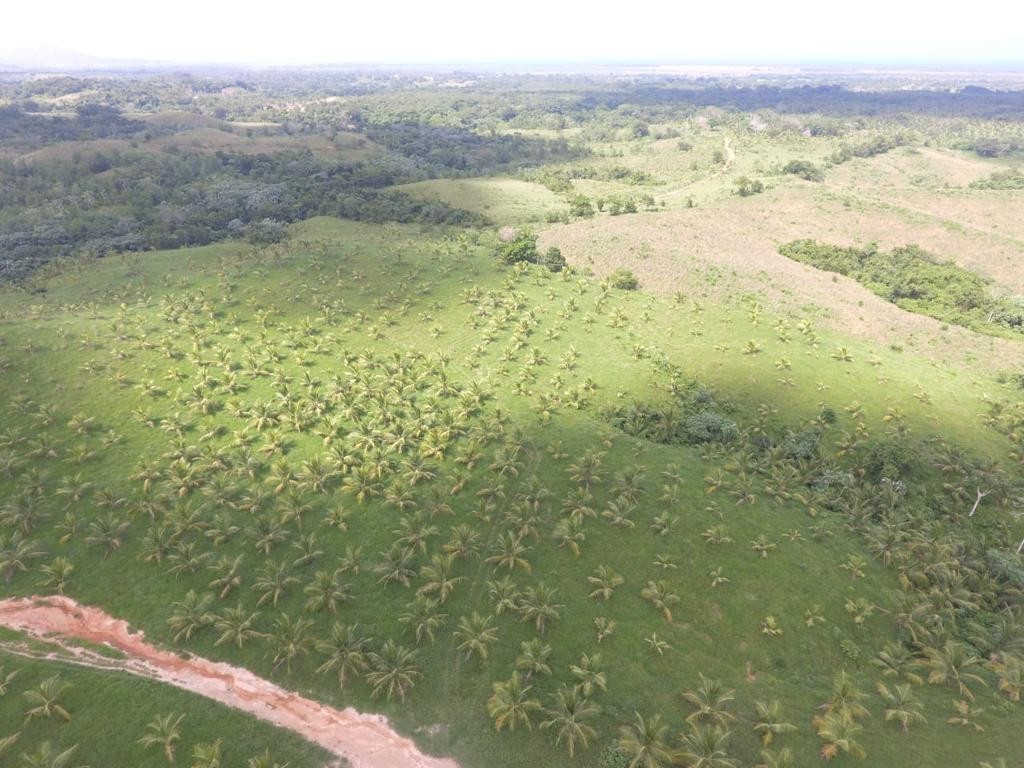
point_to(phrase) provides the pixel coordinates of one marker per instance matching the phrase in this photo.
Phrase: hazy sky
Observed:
(727, 31)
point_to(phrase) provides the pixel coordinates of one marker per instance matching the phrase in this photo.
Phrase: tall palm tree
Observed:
(164, 731)
(510, 704)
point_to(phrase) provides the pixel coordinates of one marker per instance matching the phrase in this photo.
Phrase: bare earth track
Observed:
(366, 741)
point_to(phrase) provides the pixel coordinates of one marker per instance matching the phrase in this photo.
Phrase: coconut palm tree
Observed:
(510, 553)
(504, 594)
(163, 731)
(190, 615)
(326, 592)
(604, 581)
(393, 670)
(346, 652)
(661, 597)
(567, 717)
(645, 743)
(48, 756)
(228, 576)
(289, 640)
(236, 626)
(901, 705)
(769, 722)
(533, 658)
(951, 665)
(475, 634)
(710, 702)
(537, 605)
(44, 699)
(207, 755)
(588, 674)
(838, 733)
(438, 577)
(422, 616)
(273, 582)
(704, 747)
(510, 706)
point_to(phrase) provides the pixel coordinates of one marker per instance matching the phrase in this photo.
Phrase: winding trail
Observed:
(366, 741)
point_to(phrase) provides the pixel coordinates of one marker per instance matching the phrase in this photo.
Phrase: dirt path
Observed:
(367, 741)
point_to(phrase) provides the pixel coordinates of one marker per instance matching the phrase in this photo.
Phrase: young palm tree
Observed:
(704, 747)
(604, 581)
(710, 702)
(504, 594)
(48, 756)
(236, 626)
(510, 704)
(769, 722)
(45, 699)
(393, 670)
(588, 674)
(661, 597)
(901, 705)
(951, 665)
(438, 577)
(510, 552)
(537, 605)
(56, 575)
(190, 615)
(568, 716)
(346, 652)
(326, 592)
(207, 755)
(422, 616)
(273, 583)
(289, 640)
(533, 658)
(645, 743)
(163, 731)
(838, 733)
(475, 634)
(228, 577)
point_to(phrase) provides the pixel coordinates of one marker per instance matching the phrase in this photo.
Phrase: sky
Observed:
(485, 31)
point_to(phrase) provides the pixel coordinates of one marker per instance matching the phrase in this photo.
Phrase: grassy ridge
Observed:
(375, 308)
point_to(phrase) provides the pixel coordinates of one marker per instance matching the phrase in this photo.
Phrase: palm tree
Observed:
(326, 592)
(56, 574)
(475, 635)
(661, 597)
(710, 702)
(47, 756)
(704, 747)
(421, 614)
(846, 701)
(5, 681)
(950, 665)
(290, 639)
(190, 615)
(273, 582)
(838, 733)
(504, 594)
(207, 755)
(645, 743)
(510, 705)
(15, 553)
(228, 575)
(393, 670)
(533, 658)
(769, 722)
(510, 552)
(588, 674)
(235, 626)
(604, 581)
(536, 605)
(438, 576)
(346, 652)
(163, 731)
(896, 660)
(568, 715)
(901, 705)
(46, 699)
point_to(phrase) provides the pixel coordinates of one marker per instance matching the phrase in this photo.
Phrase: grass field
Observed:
(202, 371)
(502, 201)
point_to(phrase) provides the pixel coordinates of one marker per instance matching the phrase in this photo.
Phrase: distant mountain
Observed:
(55, 59)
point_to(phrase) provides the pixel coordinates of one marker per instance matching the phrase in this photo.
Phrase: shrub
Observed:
(746, 187)
(710, 427)
(623, 279)
(805, 169)
(553, 259)
(523, 248)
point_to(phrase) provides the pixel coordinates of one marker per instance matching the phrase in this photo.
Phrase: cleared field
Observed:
(501, 201)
